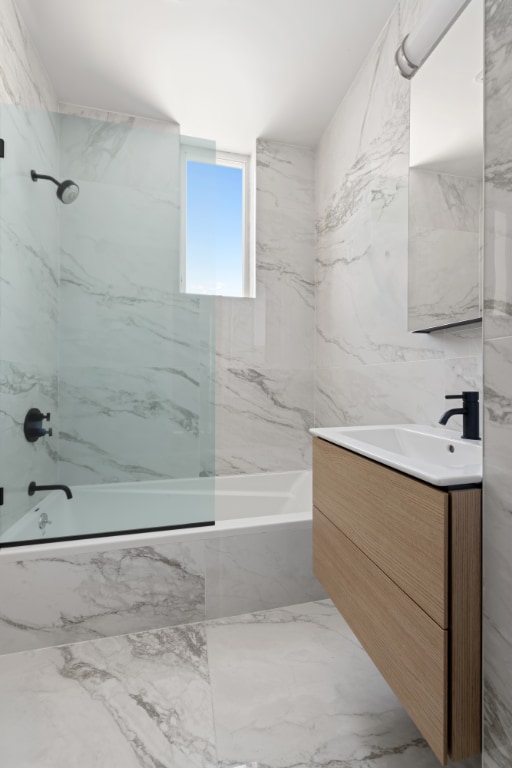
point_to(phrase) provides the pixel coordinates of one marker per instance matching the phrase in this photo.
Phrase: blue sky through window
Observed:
(214, 229)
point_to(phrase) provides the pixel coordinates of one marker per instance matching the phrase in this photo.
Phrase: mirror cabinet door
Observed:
(446, 180)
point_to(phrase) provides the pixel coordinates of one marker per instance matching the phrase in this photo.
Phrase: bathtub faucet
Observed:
(33, 488)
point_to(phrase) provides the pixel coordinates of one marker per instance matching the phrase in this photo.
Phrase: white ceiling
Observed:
(447, 101)
(227, 70)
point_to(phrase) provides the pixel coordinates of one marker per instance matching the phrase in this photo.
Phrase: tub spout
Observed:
(33, 488)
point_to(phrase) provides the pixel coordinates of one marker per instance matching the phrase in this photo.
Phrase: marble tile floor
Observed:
(284, 688)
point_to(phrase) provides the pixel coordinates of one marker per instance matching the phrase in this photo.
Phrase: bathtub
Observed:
(257, 556)
(96, 511)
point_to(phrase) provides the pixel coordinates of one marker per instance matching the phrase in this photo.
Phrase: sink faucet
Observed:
(469, 412)
(33, 488)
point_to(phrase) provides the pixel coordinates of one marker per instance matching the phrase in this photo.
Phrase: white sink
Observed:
(436, 455)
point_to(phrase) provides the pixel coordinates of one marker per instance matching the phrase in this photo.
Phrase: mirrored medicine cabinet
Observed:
(446, 180)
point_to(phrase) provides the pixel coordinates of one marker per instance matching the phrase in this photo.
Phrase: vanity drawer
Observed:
(407, 646)
(400, 523)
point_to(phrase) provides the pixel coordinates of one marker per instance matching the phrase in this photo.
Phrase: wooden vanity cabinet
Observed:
(401, 560)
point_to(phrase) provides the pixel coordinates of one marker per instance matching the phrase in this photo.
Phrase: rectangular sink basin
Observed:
(436, 455)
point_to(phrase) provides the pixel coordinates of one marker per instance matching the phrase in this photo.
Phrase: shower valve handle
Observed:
(33, 425)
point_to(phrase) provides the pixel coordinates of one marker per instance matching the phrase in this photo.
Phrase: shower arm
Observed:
(35, 176)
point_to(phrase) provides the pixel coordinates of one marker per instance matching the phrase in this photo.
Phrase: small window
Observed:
(216, 253)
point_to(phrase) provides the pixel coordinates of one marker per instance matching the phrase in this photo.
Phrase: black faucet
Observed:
(33, 488)
(469, 412)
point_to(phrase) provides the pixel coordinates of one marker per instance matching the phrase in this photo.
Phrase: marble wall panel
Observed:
(29, 264)
(23, 79)
(22, 387)
(497, 547)
(262, 419)
(259, 571)
(113, 149)
(135, 354)
(69, 597)
(131, 423)
(264, 345)
(498, 170)
(392, 393)
(498, 389)
(368, 368)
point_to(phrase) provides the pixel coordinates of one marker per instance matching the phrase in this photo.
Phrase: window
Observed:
(216, 252)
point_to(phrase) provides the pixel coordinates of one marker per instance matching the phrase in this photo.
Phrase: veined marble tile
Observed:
(275, 329)
(29, 264)
(498, 174)
(497, 546)
(262, 419)
(121, 237)
(283, 168)
(293, 687)
(369, 369)
(128, 424)
(138, 700)
(362, 286)
(367, 135)
(380, 394)
(463, 342)
(24, 386)
(70, 597)
(118, 305)
(21, 388)
(498, 95)
(256, 572)
(497, 273)
(28, 239)
(23, 79)
(264, 346)
(497, 376)
(21, 463)
(123, 153)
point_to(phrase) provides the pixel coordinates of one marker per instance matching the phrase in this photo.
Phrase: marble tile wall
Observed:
(368, 368)
(498, 389)
(29, 264)
(134, 352)
(264, 346)
(444, 248)
(127, 305)
(74, 594)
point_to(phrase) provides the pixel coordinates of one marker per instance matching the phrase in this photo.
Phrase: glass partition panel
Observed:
(104, 339)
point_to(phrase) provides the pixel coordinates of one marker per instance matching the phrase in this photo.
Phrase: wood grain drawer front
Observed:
(401, 524)
(409, 648)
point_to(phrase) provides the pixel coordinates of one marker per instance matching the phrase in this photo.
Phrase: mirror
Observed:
(446, 180)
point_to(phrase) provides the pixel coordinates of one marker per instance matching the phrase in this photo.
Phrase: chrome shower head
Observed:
(67, 191)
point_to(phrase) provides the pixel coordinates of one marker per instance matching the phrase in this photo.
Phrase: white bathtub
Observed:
(128, 508)
(256, 556)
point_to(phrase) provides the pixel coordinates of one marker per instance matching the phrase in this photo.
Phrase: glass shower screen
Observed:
(106, 341)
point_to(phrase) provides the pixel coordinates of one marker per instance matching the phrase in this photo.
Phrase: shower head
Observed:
(67, 191)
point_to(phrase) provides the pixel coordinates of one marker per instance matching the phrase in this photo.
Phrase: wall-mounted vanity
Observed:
(401, 560)
(446, 180)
